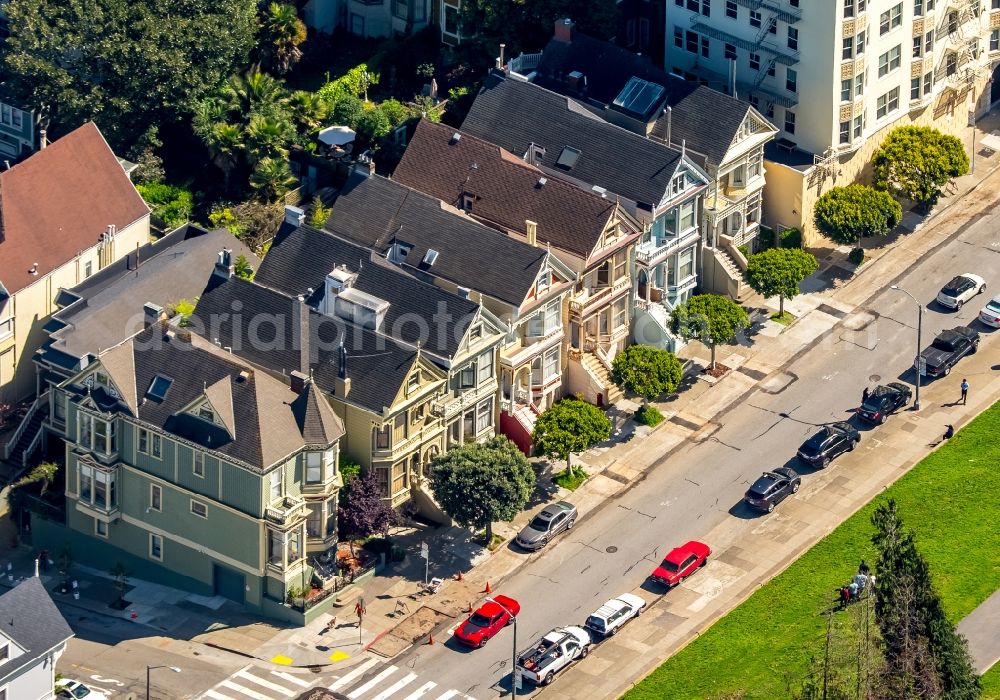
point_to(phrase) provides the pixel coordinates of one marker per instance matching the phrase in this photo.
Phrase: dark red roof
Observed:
(506, 189)
(58, 202)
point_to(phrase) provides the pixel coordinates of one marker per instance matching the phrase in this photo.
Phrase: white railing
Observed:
(525, 63)
(590, 297)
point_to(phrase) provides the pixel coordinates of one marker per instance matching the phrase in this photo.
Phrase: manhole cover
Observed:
(611, 550)
(875, 378)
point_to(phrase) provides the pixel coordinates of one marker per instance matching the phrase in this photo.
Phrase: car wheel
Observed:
(613, 632)
(510, 621)
(975, 348)
(547, 680)
(703, 562)
(982, 289)
(853, 444)
(482, 642)
(947, 371)
(882, 419)
(795, 487)
(569, 526)
(824, 463)
(770, 507)
(583, 652)
(643, 607)
(959, 304)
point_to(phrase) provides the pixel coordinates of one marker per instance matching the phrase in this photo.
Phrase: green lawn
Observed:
(951, 499)
(570, 479)
(991, 683)
(784, 319)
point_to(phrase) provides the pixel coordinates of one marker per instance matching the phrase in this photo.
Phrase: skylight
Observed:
(639, 97)
(159, 387)
(568, 157)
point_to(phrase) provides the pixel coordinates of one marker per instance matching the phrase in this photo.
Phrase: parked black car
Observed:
(883, 401)
(772, 488)
(831, 440)
(946, 350)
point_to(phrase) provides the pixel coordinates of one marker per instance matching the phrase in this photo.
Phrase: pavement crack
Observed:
(547, 578)
(585, 569)
(693, 482)
(725, 444)
(651, 517)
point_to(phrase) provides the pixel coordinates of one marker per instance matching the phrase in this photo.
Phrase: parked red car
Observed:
(485, 622)
(681, 563)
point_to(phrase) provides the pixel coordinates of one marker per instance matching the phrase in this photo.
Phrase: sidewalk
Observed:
(982, 628)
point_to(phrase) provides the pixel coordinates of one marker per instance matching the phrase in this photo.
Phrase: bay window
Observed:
(331, 517)
(484, 415)
(275, 548)
(380, 437)
(687, 215)
(546, 320)
(314, 467)
(484, 367)
(98, 487)
(96, 434)
(314, 522)
(275, 484)
(619, 313)
(469, 426)
(467, 377)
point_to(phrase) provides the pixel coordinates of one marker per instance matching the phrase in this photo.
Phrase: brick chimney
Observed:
(564, 30)
(531, 229)
(225, 266)
(342, 384)
(297, 381)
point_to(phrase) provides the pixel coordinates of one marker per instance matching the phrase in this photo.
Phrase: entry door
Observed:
(229, 583)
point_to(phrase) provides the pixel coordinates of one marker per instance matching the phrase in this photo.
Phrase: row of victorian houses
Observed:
(502, 266)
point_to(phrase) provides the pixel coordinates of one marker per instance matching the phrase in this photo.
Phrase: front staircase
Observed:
(28, 435)
(599, 371)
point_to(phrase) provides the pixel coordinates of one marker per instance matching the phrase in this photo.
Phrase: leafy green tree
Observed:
(171, 205)
(569, 426)
(272, 178)
(320, 213)
(846, 214)
(915, 629)
(253, 93)
(374, 125)
(780, 271)
(309, 111)
(647, 371)
(284, 32)
(710, 318)
(44, 474)
(366, 511)
(917, 161)
(129, 65)
(242, 268)
(478, 484)
(225, 145)
(349, 470)
(267, 137)
(347, 111)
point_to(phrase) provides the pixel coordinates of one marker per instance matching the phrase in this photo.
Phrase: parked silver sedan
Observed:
(552, 520)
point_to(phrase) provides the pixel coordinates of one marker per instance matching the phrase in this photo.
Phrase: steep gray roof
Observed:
(515, 114)
(705, 119)
(301, 258)
(31, 619)
(376, 212)
(317, 422)
(265, 330)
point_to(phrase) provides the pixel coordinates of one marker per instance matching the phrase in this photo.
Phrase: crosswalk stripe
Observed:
(215, 696)
(396, 687)
(264, 684)
(362, 689)
(291, 679)
(243, 689)
(421, 691)
(349, 678)
(448, 694)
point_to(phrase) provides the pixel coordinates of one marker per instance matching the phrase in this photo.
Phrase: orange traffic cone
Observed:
(488, 589)
(430, 638)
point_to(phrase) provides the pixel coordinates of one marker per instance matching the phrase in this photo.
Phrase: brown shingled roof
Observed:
(58, 202)
(507, 190)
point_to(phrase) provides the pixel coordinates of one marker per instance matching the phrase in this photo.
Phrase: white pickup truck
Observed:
(552, 653)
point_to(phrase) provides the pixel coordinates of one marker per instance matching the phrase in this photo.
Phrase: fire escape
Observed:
(960, 68)
(766, 46)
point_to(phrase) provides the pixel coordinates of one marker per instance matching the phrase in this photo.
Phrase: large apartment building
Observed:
(836, 76)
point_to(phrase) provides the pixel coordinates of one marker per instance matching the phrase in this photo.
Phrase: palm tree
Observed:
(266, 136)
(207, 113)
(271, 178)
(44, 473)
(225, 143)
(309, 110)
(287, 32)
(253, 92)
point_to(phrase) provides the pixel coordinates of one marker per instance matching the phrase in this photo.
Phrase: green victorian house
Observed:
(198, 471)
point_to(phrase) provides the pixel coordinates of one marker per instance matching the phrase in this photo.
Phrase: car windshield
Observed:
(539, 523)
(994, 306)
(670, 566)
(944, 343)
(954, 287)
(479, 620)
(813, 445)
(80, 691)
(874, 403)
(595, 622)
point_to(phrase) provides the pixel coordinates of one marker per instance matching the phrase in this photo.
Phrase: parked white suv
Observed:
(552, 653)
(613, 615)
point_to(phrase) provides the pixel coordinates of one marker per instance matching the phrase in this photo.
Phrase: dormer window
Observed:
(467, 201)
(543, 282)
(678, 184)
(413, 382)
(206, 413)
(476, 333)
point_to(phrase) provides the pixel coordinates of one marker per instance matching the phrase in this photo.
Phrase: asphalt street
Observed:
(613, 549)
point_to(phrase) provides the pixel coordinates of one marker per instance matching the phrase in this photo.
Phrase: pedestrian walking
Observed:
(863, 568)
(845, 597)
(853, 589)
(949, 432)
(965, 390)
(864, 395)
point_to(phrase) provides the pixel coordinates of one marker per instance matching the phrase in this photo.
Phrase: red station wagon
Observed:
(485, 622)
(681, 563)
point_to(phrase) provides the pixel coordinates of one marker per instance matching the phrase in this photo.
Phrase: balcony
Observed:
(286, 511)
(652, 252)
(449, 406)
(516, 355)
(583, 303)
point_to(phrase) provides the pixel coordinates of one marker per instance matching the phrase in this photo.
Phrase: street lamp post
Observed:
(920, 325)
(513, 656)
(153, 668)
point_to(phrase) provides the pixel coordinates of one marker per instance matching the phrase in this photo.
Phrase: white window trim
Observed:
(97, 532)
(150, 547)
(157, 487)
(194, 463)
(195, 502)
